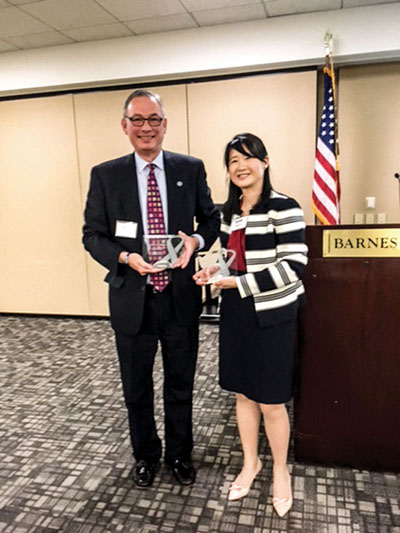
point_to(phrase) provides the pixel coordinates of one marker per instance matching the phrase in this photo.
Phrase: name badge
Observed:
(126, 228)
(238, 223)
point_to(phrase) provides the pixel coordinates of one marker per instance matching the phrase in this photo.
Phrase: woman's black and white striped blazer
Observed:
(276, 256)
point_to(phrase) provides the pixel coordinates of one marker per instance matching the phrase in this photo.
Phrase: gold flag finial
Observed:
(328, 38)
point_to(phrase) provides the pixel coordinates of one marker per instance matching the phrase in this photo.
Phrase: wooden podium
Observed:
(347, 394)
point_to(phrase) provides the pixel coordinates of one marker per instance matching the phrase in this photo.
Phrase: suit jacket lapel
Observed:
(175, 191)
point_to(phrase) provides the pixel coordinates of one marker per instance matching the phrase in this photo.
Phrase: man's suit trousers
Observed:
(179, 346)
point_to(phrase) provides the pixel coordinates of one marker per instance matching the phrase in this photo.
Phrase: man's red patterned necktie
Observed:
(156, 226)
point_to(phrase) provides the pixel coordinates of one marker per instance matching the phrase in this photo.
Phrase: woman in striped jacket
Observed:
(258, 310)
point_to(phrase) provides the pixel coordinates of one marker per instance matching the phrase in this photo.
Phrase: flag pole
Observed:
(328, 41)
(326, 186)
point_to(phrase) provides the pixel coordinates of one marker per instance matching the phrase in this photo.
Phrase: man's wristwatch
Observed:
(127, 258)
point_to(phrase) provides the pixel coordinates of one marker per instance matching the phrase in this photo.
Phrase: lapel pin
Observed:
(179, 183)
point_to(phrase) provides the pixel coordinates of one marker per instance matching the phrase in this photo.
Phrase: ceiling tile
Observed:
(158, 24)
(6, 47)
(14, 22)
(289, 7)
(64, 15)
(140, 9)
(195, 5)
(39, 40)
(96, 33)
(33, 23)
(212, 17)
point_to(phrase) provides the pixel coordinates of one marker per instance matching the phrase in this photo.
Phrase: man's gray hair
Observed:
(147, 94)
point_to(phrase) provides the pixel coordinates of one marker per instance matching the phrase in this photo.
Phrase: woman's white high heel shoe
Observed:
(283, 505)
(236, 491)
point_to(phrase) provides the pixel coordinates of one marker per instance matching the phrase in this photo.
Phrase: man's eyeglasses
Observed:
(139, 121)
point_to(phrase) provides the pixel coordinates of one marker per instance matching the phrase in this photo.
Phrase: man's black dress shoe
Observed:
(144, 473)
(184, 471)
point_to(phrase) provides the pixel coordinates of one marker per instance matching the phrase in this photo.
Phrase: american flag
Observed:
(326, 187)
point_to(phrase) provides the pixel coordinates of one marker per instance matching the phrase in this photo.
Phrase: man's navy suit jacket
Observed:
(113, 195)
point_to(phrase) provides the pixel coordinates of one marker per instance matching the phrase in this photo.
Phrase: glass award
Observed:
(162, 251)
(219, 265)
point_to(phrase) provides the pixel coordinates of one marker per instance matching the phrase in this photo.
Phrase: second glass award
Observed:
(220, 264)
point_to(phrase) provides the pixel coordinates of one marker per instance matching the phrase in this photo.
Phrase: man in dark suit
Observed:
(143, 313)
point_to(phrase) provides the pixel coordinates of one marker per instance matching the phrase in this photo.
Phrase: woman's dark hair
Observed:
(246, 144)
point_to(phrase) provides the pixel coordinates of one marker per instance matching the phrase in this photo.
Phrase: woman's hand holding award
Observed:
(220, 267)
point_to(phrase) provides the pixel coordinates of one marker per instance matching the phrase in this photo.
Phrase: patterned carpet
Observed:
(66, 461)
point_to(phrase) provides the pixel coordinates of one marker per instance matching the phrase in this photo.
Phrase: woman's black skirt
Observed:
(254, 361)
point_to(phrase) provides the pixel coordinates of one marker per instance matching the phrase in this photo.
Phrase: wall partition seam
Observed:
(187, 118)
(82, 195)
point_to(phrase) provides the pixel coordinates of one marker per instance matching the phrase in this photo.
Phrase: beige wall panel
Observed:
(100, 138)
(42, 263)
(369, 137)
(279, 108)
